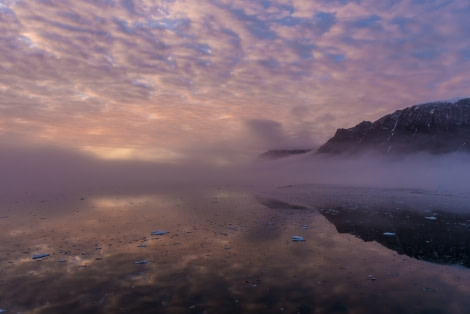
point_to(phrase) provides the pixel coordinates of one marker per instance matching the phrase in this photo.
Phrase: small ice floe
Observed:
(390, 234)
(304, 227)
(158, 232)
(142, 262)
(62, 260)
(371, 277)
(297, 238)
(39, 256)
(2, 311)
(431, 217)
(143, 245)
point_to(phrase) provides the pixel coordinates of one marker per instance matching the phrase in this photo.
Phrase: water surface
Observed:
(226, 248)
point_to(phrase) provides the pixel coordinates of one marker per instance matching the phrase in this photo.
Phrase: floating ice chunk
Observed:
(144, 261)
(390, 234)
(62, 260)
(2, 311)
(38, 256)
(304, 227)
(330, 211)
(371, 277)
(297, 238)
(143, 245)
(431, 217)
(158, 232)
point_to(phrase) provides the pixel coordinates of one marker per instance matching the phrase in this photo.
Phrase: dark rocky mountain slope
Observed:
(436, 127)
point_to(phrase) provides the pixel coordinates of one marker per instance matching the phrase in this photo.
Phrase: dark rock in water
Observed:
(281, 153)
(436, 127)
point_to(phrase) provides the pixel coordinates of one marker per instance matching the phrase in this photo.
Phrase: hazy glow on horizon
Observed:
(163, 80)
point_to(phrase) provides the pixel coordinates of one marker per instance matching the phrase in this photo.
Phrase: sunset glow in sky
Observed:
(164, 80)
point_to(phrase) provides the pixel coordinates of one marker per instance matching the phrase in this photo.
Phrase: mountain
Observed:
(437, 127)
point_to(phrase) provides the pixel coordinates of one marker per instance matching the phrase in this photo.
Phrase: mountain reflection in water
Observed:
(426, 225)
(435, 236)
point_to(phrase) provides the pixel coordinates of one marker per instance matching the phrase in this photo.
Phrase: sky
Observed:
(218, 80)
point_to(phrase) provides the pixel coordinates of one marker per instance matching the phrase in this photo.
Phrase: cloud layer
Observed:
(142, 79)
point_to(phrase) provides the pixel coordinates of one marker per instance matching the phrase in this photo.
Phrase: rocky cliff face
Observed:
(437, 127)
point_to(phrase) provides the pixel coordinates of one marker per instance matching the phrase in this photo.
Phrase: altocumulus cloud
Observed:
(143, 79)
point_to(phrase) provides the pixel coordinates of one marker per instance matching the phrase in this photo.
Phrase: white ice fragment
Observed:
(38, 256)
(144, 261)
(2, 311)
(297, 238)
(371, 277)
(304, 226)
(390, 234)
(158, 232)
(431, 218)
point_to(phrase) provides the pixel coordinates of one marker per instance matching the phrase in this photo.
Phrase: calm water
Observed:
(229, 249)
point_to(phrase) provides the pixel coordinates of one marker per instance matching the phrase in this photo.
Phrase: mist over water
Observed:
(50, 168)
(421, 170)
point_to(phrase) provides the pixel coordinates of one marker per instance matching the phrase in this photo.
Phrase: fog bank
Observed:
(41, 168)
